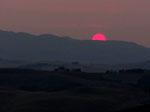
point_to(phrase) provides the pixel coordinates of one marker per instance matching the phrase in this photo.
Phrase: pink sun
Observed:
(99, 37)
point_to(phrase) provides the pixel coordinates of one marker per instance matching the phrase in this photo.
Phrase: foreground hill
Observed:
(44, 91)
(140, 108)
(25, 46)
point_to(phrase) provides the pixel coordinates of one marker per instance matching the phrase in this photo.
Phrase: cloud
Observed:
(66, 26)
(95, 26)
(79, 26)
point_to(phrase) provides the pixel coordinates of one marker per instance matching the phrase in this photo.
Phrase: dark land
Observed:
(26, 90)
(48, 73)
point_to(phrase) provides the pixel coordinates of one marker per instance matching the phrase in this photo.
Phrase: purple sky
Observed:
(127, 20)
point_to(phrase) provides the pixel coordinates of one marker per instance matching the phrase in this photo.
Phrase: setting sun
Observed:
(99, 37)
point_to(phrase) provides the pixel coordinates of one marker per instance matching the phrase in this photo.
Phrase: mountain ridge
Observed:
(63, 37)
(24, 46)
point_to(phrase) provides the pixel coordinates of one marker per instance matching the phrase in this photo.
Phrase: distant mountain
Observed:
(52, 65)
(4, 63)
(24, 46)
(141, 65)
(85, 67)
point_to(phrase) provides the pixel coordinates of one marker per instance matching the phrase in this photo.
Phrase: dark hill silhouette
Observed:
(141, 108)
(25, 90)
(25, 46)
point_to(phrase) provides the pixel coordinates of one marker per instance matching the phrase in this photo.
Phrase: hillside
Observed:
(23, 46)
(44, 91)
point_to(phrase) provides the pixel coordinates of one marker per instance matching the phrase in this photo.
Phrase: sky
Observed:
(127, 20)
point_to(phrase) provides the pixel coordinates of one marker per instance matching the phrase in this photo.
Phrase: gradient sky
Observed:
(127, 20)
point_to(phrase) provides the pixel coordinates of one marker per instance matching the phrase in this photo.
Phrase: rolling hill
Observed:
(24, 46)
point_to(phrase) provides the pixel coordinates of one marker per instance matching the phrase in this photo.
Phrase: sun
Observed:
(99, 37)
